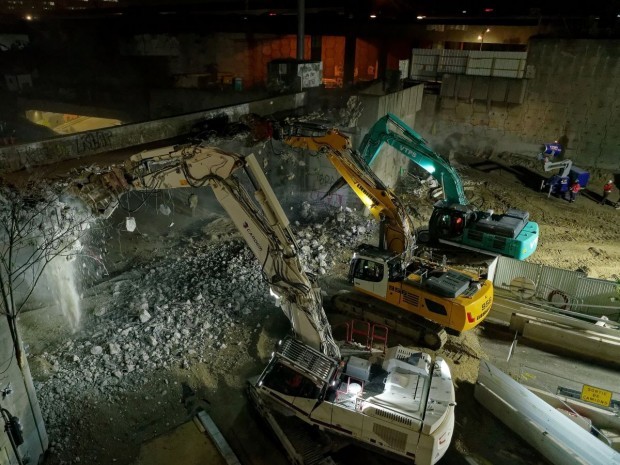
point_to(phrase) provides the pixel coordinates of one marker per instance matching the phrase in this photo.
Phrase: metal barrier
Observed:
(371, 333)
(602, 396)
(562, 289)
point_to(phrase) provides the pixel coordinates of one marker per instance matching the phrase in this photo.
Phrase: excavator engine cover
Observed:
(508, 225)
(450, 284)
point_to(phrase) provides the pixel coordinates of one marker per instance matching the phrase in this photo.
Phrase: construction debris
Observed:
(173, 314)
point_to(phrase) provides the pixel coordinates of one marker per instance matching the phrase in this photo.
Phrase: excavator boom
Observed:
(393, 131)
(397, 233)
(262, 222)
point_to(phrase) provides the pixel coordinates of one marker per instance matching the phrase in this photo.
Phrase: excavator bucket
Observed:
(101, 191)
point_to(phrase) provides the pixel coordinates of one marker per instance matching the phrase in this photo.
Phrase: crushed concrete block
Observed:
(96, 350)
(145, 316)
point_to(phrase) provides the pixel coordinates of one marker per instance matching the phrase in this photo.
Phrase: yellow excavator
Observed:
(415, 297)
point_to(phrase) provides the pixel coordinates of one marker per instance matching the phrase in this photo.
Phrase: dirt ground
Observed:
(105, 418)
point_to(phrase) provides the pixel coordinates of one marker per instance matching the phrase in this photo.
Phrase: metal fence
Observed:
(563, 289)
(431, 64)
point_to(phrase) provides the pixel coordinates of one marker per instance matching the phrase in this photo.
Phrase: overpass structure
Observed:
(16, 157)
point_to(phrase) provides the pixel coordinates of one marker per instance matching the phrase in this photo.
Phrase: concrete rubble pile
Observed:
(175, 312)
(320, 243)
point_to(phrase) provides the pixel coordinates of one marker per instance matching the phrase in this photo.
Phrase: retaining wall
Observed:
(20, 401)
(572, 95)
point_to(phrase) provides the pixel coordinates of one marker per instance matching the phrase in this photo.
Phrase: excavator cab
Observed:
(372, 268)
(369, 274)
(448, 222)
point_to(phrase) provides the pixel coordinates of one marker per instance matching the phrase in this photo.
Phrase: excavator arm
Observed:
(564, 165)
(397, 230)
(393, 131)
(261, 222)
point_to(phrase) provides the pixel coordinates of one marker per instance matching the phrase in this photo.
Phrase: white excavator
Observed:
(399, 402)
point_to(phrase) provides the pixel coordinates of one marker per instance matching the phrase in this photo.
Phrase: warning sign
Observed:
(596, 395)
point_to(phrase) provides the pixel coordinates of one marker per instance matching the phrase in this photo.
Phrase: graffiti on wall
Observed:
(323, 179)
(332, 200)
(151, 45)
(311, 74)
(92, 141)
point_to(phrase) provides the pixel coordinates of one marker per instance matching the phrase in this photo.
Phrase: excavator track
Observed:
(363, 307)
(303, 444)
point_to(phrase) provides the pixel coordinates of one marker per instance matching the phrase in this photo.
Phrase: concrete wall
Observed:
(405, 104)
(307, 177)
(16, 157)
(295, 179)
(311, 175)
(22, 403)
(218, 57)
(571, 95)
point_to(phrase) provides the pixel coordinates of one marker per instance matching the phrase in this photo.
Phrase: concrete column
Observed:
(316, 50)
(301, 17)
(382, 60)
(349, 59)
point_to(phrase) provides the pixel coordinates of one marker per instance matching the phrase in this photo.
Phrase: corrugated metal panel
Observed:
(480, 63)
(498, 64)
(453, 61)
(556, 279)
(425, 51)
(585, 295)
(479, 67)
(507, 64)
(508, 67)
(428, 63)
(509, 268)
(456, 53)
(424, 63)
(596, 293)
